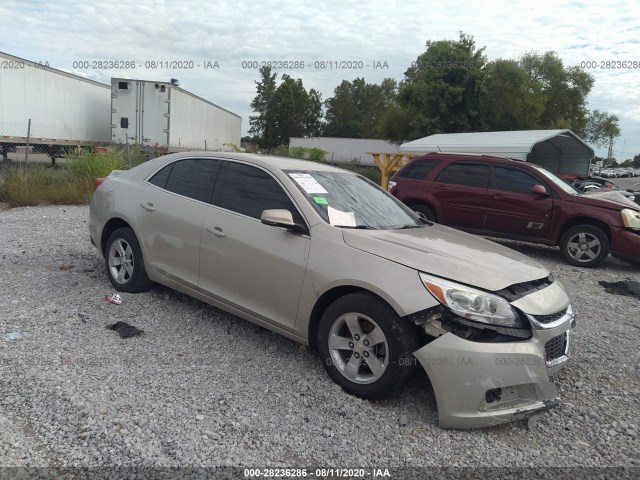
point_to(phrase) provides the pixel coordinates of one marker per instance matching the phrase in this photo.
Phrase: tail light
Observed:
(97, 182)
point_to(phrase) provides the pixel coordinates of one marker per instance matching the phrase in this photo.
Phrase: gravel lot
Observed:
(204, 388)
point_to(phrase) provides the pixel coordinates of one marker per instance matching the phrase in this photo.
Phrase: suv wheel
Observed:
(366, 347)
(425, 212)
(584, 246)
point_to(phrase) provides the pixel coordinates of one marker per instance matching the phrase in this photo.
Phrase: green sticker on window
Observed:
(321, 200)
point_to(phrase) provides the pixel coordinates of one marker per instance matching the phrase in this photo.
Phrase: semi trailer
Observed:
(68, 111)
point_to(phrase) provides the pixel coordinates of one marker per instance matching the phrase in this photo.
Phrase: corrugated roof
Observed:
(513, 144)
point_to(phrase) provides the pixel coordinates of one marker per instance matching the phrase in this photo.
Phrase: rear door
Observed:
(251, 266)
(172, 206)
(411, 184)
(512, 208)
(460, 193)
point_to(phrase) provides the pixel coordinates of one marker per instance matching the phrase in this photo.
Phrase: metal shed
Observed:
(560, 151)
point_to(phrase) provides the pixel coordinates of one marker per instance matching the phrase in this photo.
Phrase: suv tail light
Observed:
(97, 182)
(391, 185)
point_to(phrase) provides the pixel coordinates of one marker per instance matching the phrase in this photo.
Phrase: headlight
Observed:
(470, 303)
(631, 219)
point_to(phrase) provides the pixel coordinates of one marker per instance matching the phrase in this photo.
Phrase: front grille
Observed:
(555, 348)
(551, 318)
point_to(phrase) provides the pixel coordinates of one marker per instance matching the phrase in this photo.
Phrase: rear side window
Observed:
(513, 180)
(193, 178)
(249, 190)
(420, 169)
(468, 174)
(160, 178)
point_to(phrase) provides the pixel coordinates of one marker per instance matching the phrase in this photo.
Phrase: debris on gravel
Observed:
(202, 388)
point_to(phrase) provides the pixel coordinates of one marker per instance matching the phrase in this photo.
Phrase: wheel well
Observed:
(327, 299)
(111, 226)
(574, 222)
(413, 201)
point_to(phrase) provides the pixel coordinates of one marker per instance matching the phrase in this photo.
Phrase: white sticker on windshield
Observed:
(344, 219)
(308, 183)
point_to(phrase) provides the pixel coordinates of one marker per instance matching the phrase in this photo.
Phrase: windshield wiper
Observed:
(363, 227)
(404, 227)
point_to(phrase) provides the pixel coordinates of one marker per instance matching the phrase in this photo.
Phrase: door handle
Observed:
(217, 231)
(148, 206)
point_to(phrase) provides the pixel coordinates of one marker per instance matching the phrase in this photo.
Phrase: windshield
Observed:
(557, 181)
(349, 200)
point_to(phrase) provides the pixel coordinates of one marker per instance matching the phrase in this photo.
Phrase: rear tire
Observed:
(425, 212)
(124, 262)
(584, 246)
(365, 347)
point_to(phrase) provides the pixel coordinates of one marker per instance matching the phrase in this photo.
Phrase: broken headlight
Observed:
(470, 303)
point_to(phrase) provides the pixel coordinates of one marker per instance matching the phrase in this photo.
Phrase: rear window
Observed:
(468, 174)
(418, 169)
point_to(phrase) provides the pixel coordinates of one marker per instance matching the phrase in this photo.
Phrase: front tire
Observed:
(124, 262)
(365, 347)
(584, 246)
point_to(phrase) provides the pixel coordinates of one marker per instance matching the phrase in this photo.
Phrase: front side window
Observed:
(193, 178)
(468, 174)
(250, 190)
(513, 180)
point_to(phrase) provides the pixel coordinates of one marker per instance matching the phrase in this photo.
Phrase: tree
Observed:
(514, 101)
(444, 90)
(602, 128)
(356, 109)
(294, 112)
(284, 111)
(262, 124)
(564, 90)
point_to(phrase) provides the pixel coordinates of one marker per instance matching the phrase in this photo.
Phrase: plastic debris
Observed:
(113, 298)
(12, 337)
(125, 330)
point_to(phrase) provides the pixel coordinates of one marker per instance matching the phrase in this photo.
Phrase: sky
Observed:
(377, 39)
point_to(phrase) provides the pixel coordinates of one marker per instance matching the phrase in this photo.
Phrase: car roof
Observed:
(281, 163)
(467, 156)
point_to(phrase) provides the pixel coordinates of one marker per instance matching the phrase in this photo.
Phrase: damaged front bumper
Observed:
(479, 384)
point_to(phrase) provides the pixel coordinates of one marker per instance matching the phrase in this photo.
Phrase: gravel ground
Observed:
(204, 388)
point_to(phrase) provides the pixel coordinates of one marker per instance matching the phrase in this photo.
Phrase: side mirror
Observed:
(281, 218)
(539, 190)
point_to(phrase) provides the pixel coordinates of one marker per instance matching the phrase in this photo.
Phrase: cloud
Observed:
(229, 32)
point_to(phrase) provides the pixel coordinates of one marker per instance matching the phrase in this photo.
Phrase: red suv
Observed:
(506, 198)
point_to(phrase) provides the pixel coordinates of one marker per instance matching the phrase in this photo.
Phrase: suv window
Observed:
(513, 180)
(469, 174)
(193, 178)
(249, 190)
(418, 170)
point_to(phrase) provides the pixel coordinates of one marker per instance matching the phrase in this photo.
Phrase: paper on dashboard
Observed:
(344, 219)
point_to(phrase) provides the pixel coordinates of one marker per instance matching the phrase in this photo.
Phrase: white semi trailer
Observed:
(65, 109)
(162, 114)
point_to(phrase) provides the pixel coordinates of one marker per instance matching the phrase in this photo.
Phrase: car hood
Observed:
(608, 199)
(450, 254)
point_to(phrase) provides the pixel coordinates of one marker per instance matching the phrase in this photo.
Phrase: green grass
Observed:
(41, 185)
(71, 183)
